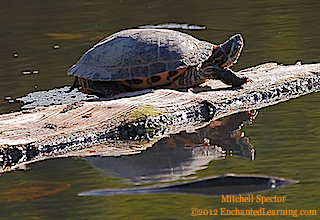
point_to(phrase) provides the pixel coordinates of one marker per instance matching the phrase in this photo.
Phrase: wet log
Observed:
(128, 125)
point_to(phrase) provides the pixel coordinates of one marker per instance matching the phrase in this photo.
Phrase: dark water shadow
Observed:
(229, 184)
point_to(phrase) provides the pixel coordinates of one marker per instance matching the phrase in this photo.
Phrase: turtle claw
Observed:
(238, 83)
(249, 80)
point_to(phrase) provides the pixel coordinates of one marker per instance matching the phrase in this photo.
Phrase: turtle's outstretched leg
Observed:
(224, 74)
(193, 76)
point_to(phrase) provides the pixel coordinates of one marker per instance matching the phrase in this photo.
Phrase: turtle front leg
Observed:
(224, 74)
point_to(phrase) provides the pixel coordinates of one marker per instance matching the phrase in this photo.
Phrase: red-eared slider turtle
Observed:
(138, 59)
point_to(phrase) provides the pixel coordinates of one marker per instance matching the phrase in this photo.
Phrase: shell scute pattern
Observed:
(168, 50)
(140, 53)
(145, 53)
(139, 70)
(158, 67)
(123, 73)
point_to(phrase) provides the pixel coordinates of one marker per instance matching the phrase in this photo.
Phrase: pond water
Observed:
(40, 40)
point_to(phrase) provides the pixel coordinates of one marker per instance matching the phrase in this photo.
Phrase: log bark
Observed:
(112, 127)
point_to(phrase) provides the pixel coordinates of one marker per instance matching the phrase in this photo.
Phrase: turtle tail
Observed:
(74, 85)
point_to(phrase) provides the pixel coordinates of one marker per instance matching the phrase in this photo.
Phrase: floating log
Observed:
(129, 125)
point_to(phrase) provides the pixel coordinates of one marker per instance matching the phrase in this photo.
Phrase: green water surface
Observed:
(286, 137)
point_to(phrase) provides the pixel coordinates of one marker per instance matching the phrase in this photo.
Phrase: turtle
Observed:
(138, 59)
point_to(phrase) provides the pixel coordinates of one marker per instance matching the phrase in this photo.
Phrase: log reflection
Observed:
(182, 154)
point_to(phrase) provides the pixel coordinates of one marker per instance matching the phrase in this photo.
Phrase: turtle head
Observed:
(227, 54)
(232, 49)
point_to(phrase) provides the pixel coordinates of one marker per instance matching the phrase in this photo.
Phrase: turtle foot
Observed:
(240, 82)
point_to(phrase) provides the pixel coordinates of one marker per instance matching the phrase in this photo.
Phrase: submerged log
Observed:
(128, 125)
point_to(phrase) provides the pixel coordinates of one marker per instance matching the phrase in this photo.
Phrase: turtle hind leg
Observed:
(226, 75)
(105, 89)
(112, 90)
(98, 88)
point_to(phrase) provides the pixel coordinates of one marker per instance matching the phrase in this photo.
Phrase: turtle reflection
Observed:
(182, 154)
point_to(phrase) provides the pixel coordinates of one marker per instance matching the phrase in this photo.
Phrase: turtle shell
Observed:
(136, 53)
